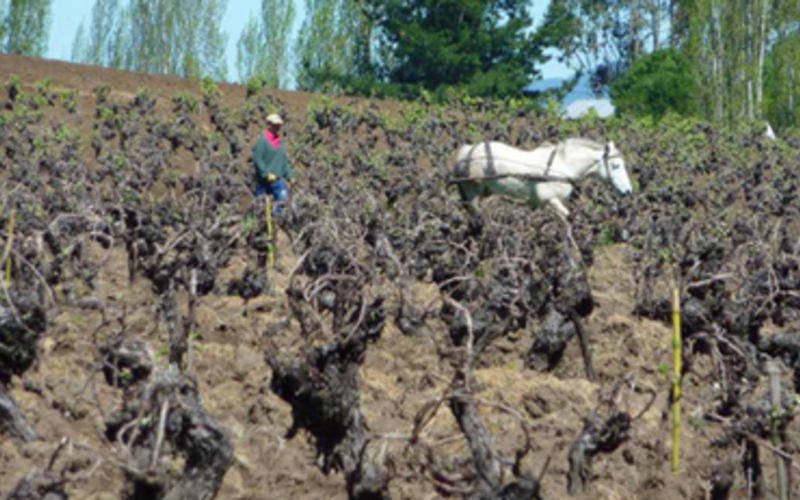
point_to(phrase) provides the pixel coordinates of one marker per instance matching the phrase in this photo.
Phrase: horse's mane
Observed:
(580, 141)
(572, 142)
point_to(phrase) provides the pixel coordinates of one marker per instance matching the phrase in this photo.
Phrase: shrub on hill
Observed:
(655, 84)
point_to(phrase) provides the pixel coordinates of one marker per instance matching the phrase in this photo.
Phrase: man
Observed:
(273, 171)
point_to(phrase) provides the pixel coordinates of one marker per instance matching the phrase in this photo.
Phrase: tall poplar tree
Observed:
(335, 42)
(729, 43)
(606, 37)
(24, 26)
(782, 66)
(264, 47)
(743, 53)
(180, 37)
(102, 45)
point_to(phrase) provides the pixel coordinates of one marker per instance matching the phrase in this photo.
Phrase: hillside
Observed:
(398, 349)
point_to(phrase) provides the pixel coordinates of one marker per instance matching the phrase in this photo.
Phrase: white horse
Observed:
(545, 175)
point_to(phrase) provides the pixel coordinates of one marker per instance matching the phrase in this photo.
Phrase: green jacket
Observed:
(268, 160)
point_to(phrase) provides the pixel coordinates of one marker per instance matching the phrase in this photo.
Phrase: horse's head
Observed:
(612, 168)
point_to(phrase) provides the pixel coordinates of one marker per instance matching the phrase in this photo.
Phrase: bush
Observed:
(209, 87)
(254, 85)
(655, 84)
(184, 103)
(69, 99)
(44, 85)
(14, 87)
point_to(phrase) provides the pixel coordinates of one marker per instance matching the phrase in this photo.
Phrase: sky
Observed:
(68, 14)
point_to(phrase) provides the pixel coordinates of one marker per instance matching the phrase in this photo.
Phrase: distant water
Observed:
(580, 100)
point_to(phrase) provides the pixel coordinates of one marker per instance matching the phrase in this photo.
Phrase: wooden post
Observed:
(774, 373)
(676, 381)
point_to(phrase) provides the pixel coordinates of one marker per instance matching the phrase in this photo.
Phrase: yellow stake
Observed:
(10, 243)
(270, 247)
(676, 382)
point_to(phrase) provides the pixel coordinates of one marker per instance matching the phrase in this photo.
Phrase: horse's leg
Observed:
(470, 193)
(469, 197)
(472, 208)
(564, 214)
(559, 206)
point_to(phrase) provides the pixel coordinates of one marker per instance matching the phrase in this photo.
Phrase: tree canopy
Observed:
(484, 46)
(24, 26)
(655, 84)
(180, 37)
(264, 47)
(738, 59)
(334, 44)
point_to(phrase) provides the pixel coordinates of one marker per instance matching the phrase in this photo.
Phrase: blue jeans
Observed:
(279, 191)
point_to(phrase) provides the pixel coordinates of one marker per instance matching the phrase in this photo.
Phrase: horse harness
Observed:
(463, 171)
(462, 167)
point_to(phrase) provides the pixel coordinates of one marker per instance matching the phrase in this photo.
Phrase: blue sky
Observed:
(68, 14)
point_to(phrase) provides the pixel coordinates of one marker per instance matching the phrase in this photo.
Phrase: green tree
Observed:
(24, 26)
(79, 48)
(263, 47)
(782, 67)
(249, 57)
(334, 44)
(655, 84)
(483, 46)
(103, 44)
(180, 37)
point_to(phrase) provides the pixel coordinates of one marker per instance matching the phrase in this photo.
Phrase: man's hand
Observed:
(271, 178)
